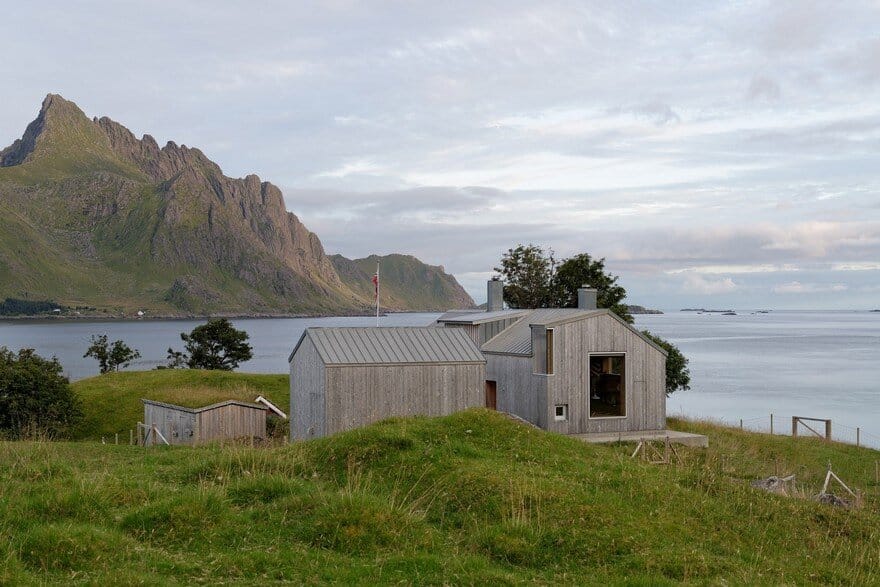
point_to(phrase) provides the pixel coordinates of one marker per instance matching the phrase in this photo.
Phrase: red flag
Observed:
(375, 281)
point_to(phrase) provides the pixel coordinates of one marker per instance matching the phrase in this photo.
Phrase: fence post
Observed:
(828, 430)
(117, 438)
(794, 426)
(740, 423)
(130, 436)
(858, 437)
(771, 424)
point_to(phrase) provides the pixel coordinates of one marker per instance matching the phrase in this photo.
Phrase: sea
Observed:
(743, 368)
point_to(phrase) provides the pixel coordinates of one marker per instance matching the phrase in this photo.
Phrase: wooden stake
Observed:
(740, 423)
(771, 424)
(117, 438)
(858, 437)
(130, 436)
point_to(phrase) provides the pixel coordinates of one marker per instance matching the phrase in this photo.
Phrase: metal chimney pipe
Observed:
(494, 295)
(587, 297)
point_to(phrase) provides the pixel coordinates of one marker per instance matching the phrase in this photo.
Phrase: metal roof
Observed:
(480, 317)
(366, 346)
(517, 339)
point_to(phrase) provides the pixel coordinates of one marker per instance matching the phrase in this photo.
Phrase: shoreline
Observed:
(178, 318)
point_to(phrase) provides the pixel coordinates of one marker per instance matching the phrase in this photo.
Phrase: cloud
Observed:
(763, 88)
(705, 286)
(734, 145)
(796, 287)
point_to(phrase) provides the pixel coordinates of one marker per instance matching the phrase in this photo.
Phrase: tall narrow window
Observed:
(549, 351)
(607, 386)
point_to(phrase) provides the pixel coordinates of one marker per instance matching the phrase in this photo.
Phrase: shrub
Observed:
(35, 398)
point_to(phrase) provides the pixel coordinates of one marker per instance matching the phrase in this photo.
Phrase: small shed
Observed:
(344, 378)
(171, 424)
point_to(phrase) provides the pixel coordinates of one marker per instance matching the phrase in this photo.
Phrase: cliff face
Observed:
(91, 215)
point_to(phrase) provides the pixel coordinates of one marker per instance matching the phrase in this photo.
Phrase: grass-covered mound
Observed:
(112, 402)
(466, 499)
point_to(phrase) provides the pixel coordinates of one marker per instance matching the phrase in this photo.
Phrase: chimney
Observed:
(586, 297)
(495, 295)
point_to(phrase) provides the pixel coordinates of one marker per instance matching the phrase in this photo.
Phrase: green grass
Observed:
(472, 498)
(112, 402)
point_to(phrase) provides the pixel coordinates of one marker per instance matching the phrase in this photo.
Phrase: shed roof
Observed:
(459, 317)
(206, 408)
(517, 340)
(392, 345)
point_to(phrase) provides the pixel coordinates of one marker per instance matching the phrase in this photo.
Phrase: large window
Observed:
(607, 386)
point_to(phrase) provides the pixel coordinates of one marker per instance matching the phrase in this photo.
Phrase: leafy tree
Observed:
(584, 270)
(678, 375)
(215, 345)
(111, 357)
(533, 278)
(528, 272)
(34, 396)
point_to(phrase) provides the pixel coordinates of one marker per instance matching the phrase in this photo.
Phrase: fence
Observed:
(804, 426)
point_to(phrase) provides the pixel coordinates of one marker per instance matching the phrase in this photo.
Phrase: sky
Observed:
(716, 154)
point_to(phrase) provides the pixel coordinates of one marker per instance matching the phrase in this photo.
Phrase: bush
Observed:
(35, 399)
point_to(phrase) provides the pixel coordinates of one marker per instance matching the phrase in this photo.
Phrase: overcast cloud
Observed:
(716, 154)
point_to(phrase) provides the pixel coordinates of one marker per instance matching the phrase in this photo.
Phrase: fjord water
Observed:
(814, 364)
(271, 338)
(811, 364)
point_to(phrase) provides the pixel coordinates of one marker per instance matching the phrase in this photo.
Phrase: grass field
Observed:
(466, 499)
(112, 402)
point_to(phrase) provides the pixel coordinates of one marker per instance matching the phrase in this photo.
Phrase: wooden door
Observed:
(491, 395)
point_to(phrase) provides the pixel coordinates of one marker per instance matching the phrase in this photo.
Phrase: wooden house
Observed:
(343, 378)
(570, 370)
(171, 424)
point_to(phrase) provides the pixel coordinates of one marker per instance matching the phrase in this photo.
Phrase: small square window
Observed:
(561, 413)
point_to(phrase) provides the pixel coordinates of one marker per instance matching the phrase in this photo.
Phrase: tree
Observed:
(583, 270)
(678, 375)
(111, 357)
(534, 279)
(528, 273)
(215, 345)
(35, 398)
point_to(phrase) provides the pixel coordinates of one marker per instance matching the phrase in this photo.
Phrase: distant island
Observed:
(97, 222)
(634, 309)
(704, 310)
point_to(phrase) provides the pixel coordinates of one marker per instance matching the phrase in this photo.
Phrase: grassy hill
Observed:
(112, 402)
(406, 283)
(471, 498)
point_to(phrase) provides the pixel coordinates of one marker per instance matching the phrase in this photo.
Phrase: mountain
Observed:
(90, 215)
(405, 282)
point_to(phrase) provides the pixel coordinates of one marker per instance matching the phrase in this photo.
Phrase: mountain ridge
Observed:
(92, 215)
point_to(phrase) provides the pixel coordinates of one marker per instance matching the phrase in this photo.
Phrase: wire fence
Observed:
(782, 425)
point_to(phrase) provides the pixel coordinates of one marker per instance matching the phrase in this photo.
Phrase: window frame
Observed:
(590, 415)
(556, 416)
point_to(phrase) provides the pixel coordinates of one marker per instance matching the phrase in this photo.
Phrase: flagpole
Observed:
(377, 293)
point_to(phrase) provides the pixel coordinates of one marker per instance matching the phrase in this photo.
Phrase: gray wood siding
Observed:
(230, 422)
(184, 427)
(519, 390)
(307, 394)
(644, 376)
(178, 427)
(362, 394)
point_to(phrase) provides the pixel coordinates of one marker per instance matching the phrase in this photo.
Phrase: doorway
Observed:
(492, 395)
